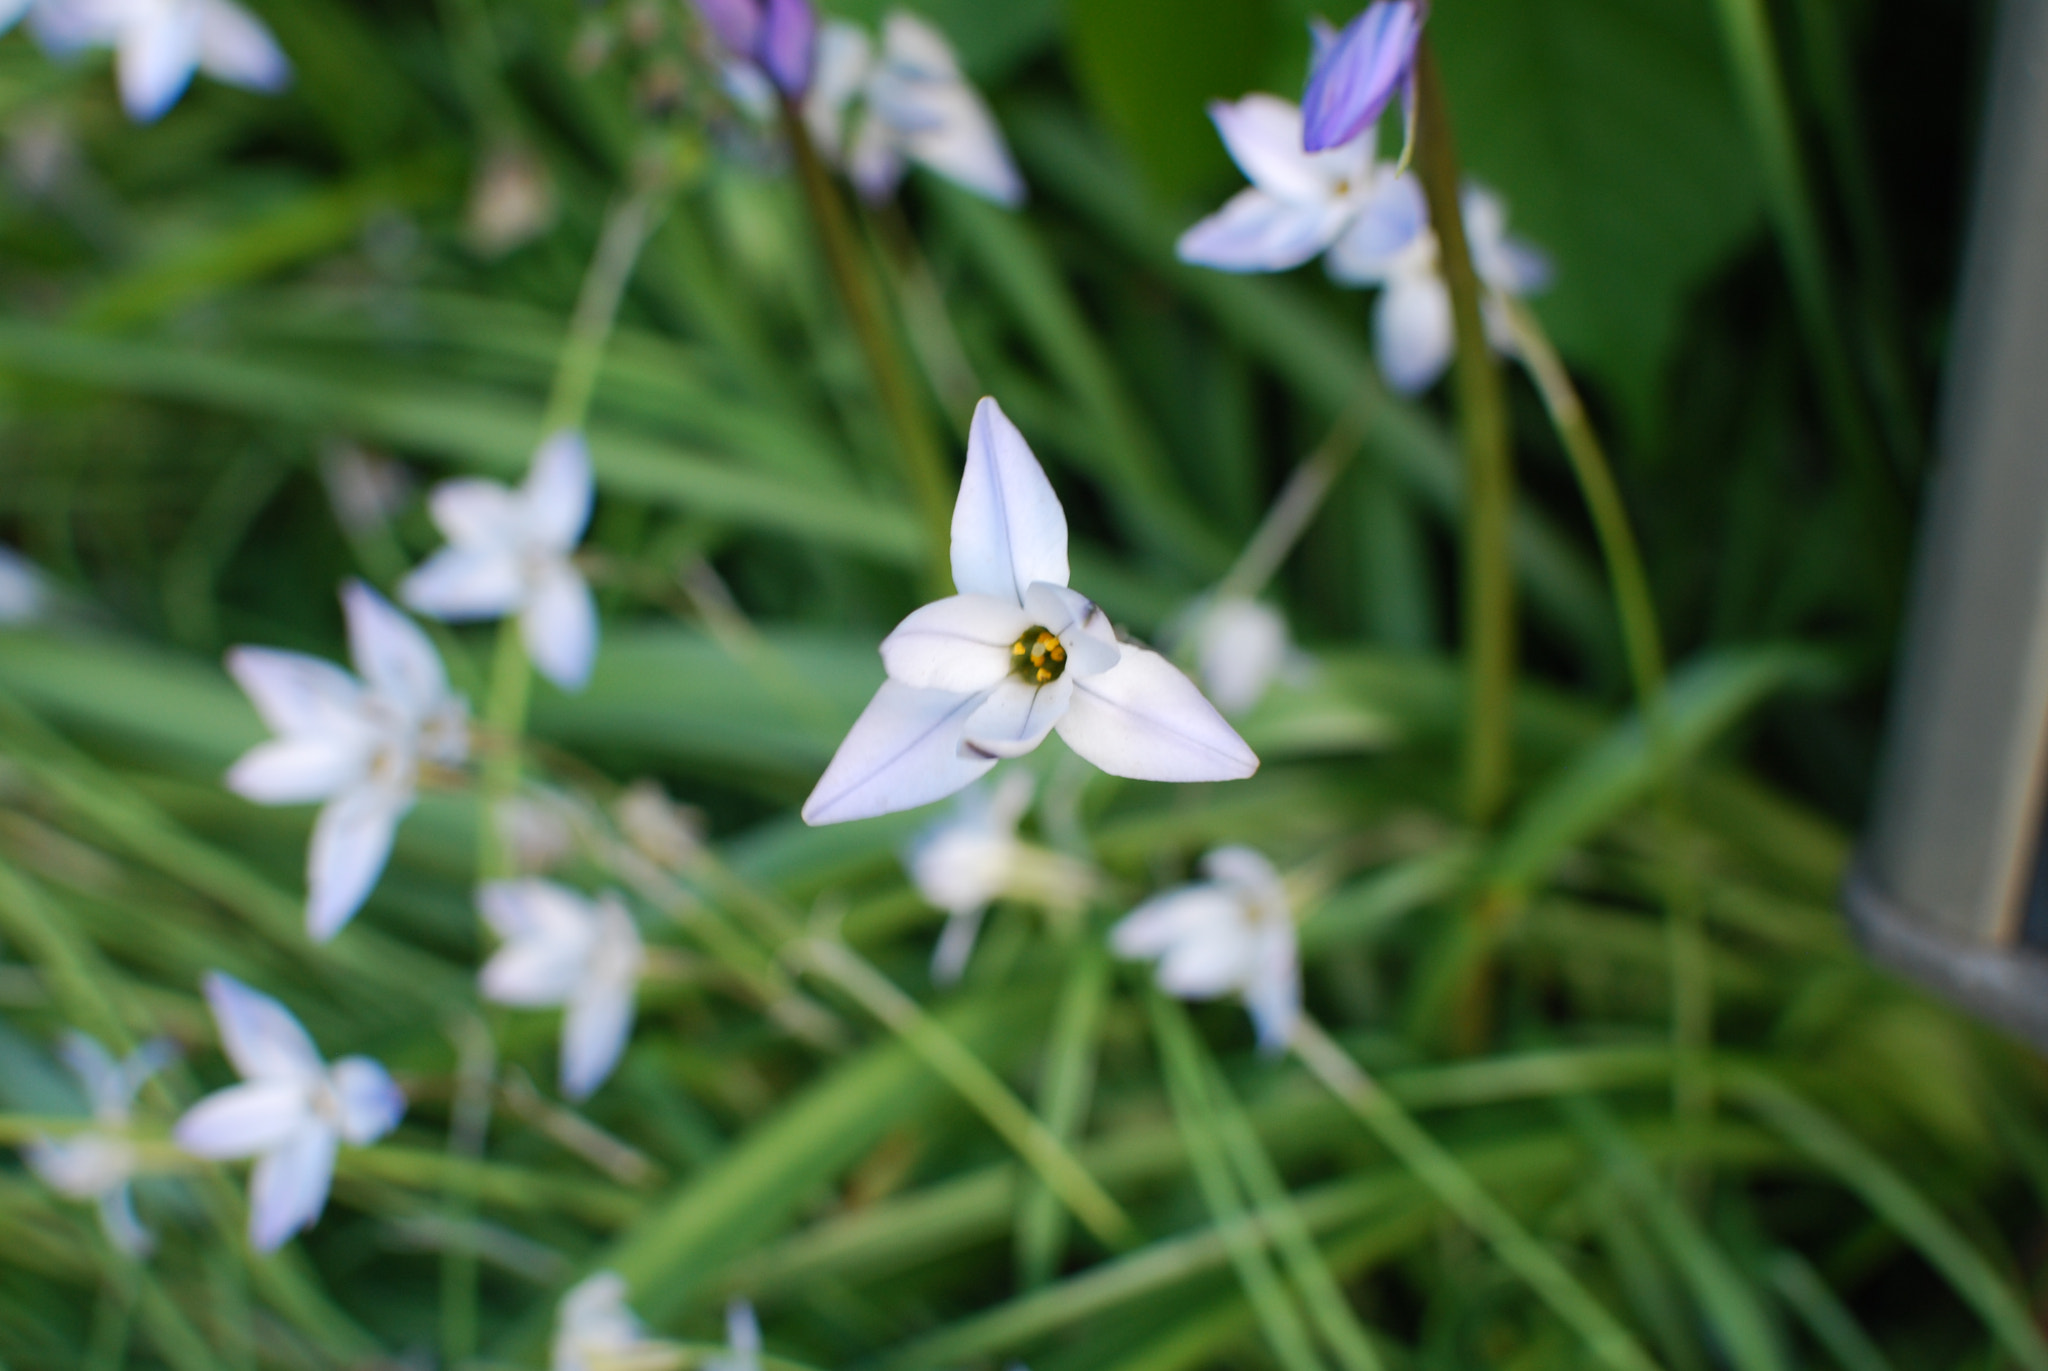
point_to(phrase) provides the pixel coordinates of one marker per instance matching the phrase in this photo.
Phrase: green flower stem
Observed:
(468, 1129)
(924, 466)
(1291, 512)
(1489, 469)
(1610, 1343)
(1064, 1093)
(950, 1059)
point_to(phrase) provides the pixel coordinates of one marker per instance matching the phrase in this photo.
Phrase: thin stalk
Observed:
(1760, 81)
(626, 228)
(1064, 1090)
(924, 466)
(1610, 1343)
(1296, 505)
(468, 1129)
(1489, 469)
(1026, 1134)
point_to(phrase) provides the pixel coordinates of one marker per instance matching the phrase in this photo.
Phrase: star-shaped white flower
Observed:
(562, 949)
(98, 1163)
(291, 1112)
(915, 106)
(973, 857)
(1298, 204)
(159, 44)
(510, 552)
(22, 593)
(1395, 249)
(1241, 647)
(987, 673)
(1232, 932)
(595, 1330)
(357, 744)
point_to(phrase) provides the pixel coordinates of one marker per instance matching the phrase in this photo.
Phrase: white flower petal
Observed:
(1251, 875)
(1221, 959)
(1272, 992)
(1263, 135)
(11, 12)
(593, 1322)
(392, 654)
(1191, 912)
(1241, 646)
(961, 643)
(83, 1166)
(1145, 720)
(294, 693)
(956, 945)
(1391, 225)
(743, 1335)
(1256, 231)
(534, 975)
(558, 492)
(371, 1104)
(475, 513)
(460, 584)
(243, 1120)
(123, 1229)
(903, 751)
(21, 585)
(288, 1188)
(844, 58)
(1413, 335)
(1008, 527)
(351, 843)
(559, 627)
(594, 1033)
(156, 60)
(1016, 717)
(301, 769)
(958, 138)
(875, 164)
(258, 1034)
(235, 47)
(106, 1085)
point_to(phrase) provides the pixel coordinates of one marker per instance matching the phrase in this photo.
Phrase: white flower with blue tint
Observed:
(1298, 204)
(98, 1163)
(160, 44)
(292, 1111)
(1232, 933)
(907, 103)
(22, 594)
(562, 949)
(512, 552)
(989, 672)
(1395, 249)
(973, 857)
(595, 1330)
(357, 743)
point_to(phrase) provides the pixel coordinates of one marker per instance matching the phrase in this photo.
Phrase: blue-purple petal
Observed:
(1356, 75)
(735, 23)
(789, 36)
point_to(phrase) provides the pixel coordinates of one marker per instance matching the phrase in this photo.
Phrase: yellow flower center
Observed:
(1037, 657)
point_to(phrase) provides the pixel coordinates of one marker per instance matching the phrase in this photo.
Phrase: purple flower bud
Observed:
(736, 23)
(788, 38)
(1358, 72)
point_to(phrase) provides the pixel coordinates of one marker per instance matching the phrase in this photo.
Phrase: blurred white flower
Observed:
(670, 834)
(742, 1340)
(366, 489)
(973, 857)
(509, 552)
(98, 1163)
(596, 1331)
(356, 744)
(159, 44)
(989, 672)
(1232, 932)
(562, 949)
(22, 594)
(291, 1112)
(538, 830)
(915, 106)
(1299, 203)
(1242, 647)
(1413, 333)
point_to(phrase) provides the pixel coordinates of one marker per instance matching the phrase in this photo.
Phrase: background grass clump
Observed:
(1633, 1099)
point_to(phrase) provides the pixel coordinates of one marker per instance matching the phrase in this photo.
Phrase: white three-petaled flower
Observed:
(1299, 203)
(973, 857)
(915, 106)
(1413, 332)
(561, 949)
(97, 1163)
(1232, 932)
(595, 1330)
(159, 44)
(291, 1112)
(509, 552)
(358, 744)
(987, 673)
